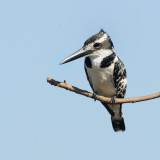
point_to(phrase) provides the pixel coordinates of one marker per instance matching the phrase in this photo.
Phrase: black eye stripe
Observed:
(96, 45)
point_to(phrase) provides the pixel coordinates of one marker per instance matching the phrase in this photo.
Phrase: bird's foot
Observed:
(94, 96)
(113, 99)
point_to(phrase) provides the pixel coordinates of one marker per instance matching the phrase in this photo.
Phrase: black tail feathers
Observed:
(118, 124)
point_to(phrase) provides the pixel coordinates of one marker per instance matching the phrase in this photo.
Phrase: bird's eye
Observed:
(96, 45)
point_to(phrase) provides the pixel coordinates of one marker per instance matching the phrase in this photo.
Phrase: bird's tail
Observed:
(118, 124)
(116, 116)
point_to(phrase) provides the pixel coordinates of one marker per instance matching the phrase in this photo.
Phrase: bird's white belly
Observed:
(102, 80)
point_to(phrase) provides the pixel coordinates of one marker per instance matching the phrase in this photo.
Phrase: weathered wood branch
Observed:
(67, 86)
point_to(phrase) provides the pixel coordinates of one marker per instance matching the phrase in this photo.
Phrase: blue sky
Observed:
(39, 121)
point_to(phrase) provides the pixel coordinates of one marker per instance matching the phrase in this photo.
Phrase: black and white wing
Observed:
(120, 78)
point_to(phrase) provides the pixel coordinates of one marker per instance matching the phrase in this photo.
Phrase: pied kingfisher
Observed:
(105, 72)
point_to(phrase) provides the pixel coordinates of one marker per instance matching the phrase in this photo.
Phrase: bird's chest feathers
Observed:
(101, 78)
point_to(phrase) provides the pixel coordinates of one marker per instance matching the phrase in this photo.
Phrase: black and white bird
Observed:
(105, 72)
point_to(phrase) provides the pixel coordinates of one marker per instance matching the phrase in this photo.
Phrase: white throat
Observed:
(99, 55)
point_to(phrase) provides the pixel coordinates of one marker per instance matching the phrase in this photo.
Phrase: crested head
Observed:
(101, 40)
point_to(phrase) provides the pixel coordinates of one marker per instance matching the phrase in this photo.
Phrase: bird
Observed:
(105, 72)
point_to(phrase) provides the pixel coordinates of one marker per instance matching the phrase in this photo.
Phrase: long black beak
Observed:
(80, 53)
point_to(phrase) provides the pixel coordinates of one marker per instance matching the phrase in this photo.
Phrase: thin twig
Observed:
(67, 86)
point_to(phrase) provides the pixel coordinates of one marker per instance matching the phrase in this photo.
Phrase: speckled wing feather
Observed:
(120, 79)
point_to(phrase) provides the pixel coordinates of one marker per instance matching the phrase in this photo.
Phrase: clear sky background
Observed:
(39, 121)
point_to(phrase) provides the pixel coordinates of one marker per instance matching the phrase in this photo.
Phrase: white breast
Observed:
(102, 78)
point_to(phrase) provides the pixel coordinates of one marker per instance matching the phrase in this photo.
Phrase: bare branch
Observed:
(67, 86)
